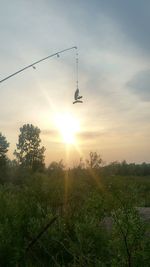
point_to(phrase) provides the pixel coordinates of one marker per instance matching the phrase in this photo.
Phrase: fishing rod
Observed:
(37, 62)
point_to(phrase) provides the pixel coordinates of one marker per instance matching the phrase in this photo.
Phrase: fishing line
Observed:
(77, 69)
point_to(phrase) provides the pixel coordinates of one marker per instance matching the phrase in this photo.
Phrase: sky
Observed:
(113, 40)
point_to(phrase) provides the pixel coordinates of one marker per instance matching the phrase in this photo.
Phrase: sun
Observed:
(68, 127)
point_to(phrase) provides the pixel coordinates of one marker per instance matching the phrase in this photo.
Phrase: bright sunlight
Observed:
(68, 126)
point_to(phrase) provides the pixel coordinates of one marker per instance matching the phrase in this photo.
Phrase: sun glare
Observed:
(68, 126)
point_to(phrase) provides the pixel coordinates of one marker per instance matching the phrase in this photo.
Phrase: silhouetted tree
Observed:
(56, 165)
(3, 157)
(29, 154)
(94, 161)
(124, 168)
(3, 146)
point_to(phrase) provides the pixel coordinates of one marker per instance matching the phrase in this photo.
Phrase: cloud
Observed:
(140, 85)
(47, 132)
(89, 135)
(51, 136)
(133, 20)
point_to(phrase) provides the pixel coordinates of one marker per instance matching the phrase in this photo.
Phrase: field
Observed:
(59, 218)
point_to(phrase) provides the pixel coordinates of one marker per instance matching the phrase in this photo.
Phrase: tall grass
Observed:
(81, 201)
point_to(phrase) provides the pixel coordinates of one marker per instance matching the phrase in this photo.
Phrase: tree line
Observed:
(29, 155)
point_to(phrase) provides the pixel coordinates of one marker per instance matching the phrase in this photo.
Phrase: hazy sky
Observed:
(113, 38)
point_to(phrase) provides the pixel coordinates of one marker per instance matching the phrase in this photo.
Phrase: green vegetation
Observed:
(3, 157)
(96, 220)
(29, 154)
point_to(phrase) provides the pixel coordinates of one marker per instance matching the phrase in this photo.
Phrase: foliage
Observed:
(79, 236)
(28, 153)
(3, 157)
(124, 168)
(94, 161)
(55, 167)
(127, 243)
(3, 146)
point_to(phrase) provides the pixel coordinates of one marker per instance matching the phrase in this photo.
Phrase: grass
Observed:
(81, 200)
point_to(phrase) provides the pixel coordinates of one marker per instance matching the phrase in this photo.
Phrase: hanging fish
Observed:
(77, 97)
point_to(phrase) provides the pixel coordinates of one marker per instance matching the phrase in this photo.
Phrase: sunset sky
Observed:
(113, 40)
